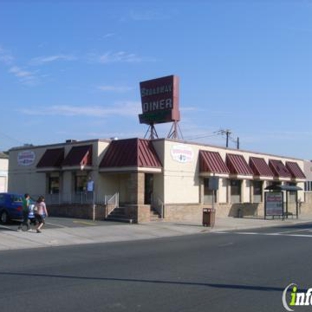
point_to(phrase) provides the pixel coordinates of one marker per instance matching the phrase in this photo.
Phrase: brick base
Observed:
(77, 211)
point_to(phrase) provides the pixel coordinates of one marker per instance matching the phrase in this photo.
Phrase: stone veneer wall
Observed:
(172, 212)
(77, 211)
(306, 206)
(138, 213)
(194, 212)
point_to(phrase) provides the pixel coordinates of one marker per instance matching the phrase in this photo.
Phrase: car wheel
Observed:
(4, 217)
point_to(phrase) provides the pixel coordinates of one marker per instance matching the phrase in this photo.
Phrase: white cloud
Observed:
(108, 35)
(118, 57)
(24, 76)
(120, 89)
(121, 56)
(121, 109)
(5, 57)
(52, 58)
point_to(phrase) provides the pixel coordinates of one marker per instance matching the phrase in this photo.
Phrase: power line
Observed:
(201, 137)
(10, 139)
(228, 133)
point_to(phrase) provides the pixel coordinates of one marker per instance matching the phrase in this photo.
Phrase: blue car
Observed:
(11, 208)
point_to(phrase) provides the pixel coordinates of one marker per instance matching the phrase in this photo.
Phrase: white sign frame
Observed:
(274, 204)
(26, 158)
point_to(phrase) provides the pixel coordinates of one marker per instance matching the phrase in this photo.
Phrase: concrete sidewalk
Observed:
(11, 240)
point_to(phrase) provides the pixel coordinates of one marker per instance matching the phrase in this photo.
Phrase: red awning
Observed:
(130, 153)
(52, 158)
(212, 162)
(295, 170)
(238, 165)
(79, 156)
(260, 167)
(279, 169)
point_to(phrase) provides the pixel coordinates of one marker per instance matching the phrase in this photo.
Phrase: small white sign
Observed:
(90, 186)
(26, 158)
(182, 153)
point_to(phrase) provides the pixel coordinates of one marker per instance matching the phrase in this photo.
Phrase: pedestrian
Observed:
(40, 213)
(26, 206)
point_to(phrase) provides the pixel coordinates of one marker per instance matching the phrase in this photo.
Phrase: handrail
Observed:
(158, 205)
(111, 202)
(112, 199)
(79, 198)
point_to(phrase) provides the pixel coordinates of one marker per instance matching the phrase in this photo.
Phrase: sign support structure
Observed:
(160, 104)
(151, 132)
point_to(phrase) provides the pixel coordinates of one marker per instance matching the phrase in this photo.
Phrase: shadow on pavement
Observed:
(161, 282)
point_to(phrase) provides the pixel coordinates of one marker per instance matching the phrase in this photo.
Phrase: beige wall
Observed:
(181, 180)
(181, 177)
(4, 169)
(27, 178)
(308, 170)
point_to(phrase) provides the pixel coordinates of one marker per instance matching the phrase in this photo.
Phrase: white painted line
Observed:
(274, 234)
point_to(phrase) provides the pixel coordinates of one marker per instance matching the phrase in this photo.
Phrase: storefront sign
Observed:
(182, 153)
(160, 100)
(26, 158)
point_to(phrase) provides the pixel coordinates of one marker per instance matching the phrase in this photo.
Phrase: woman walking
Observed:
(40, 213)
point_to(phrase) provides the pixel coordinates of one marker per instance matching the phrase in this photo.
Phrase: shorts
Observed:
(39, 218)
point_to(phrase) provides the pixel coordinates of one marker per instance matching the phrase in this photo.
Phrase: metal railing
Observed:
(158, 205)
(112, 200)
(78, 198)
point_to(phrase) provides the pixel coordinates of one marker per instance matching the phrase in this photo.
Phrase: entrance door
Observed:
(149, 184)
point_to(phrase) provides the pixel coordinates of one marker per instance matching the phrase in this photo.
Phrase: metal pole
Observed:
(93, 205)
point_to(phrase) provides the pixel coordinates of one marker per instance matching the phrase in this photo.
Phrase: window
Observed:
(80, 183)
(54, 185)
(208, 193)
(308, 186)
(257, 191)
(235, 191)
(292, 195)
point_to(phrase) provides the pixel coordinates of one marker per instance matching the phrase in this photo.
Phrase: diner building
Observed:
(150, 179)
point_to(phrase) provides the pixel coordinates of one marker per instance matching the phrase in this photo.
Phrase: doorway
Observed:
(149, 185)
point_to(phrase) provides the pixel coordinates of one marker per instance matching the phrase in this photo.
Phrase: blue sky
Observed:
(71, 70)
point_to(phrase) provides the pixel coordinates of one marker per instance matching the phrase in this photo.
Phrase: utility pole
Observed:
(228, 133)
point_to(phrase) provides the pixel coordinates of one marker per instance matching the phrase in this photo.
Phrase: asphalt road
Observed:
(230, 271)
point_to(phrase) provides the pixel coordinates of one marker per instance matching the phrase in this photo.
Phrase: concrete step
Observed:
(118, 215)
(154, 216)
(119, 219)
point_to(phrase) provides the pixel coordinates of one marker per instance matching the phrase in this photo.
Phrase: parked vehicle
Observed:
(11, 208)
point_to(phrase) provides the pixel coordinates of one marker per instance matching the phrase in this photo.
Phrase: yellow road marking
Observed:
(84, 222)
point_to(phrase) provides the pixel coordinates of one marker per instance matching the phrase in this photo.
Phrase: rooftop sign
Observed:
(160, 100)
